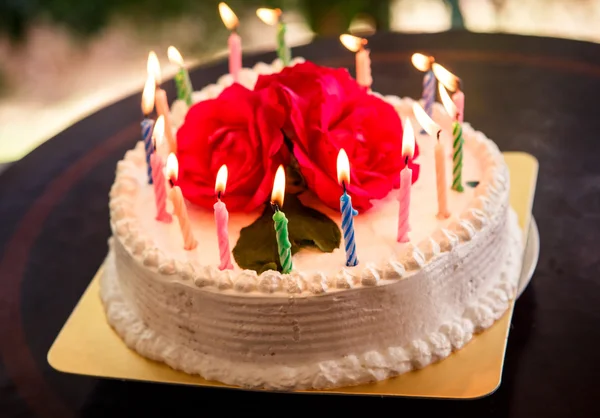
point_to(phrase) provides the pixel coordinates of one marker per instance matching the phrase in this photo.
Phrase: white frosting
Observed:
(323, 325)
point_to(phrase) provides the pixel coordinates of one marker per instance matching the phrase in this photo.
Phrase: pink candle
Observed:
(235, 55)
(452, 83)
(408, 146)
(222, 221)
(459, 101)
(160, 189)
(179, 208)
(235, 42)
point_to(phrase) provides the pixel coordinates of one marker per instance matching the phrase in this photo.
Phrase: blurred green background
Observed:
(86, 17)
(61, 60)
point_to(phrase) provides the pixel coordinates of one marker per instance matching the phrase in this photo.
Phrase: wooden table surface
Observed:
(537, 95)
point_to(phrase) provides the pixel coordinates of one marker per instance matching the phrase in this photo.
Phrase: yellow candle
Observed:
(161, 102)
(179, 208)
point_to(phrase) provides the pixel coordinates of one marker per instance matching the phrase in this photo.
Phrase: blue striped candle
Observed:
(348, 214)
(424, 63)
(429, 90)
(147, 125)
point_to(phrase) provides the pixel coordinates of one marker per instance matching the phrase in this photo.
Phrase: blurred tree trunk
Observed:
(332, 17)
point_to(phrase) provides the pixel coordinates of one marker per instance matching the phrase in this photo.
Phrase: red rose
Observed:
(328, 111)
(240, 128)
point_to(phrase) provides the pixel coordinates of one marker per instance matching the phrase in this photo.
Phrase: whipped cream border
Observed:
(489, 196)
(353, 369)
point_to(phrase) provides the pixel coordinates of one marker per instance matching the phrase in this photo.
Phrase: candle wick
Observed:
(275, 207)
(439, 133)
(171, 182)
(406, 160)
(344, 186)
(219, 195)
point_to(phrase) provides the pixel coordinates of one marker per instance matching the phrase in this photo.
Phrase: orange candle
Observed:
(433, 129)
(363, 59)
(179, 208)
(161, 102)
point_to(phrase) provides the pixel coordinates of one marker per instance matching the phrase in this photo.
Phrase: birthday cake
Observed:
(204, 274)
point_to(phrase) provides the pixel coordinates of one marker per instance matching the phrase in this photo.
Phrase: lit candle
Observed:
(273, 17)
(454, 84)
(235, 42)
(222, 220)
(179, 208)
(284, 246)
(457, 140)
(160, 189)
(424, 63)
(162, 105)
(147, 122)
(433, 129)
(363, 60)
(182, 78)
(348, 212)
(408, 149)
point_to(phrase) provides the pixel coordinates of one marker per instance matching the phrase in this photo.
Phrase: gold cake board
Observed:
(87, 345)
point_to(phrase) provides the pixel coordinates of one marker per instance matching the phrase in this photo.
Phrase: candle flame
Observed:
(278, 187)
(153, 67)
(159, 130)
(228, 17)
(269, 16)
(425, 121)
(175, 56)
(422, 62)
(449, 80)
(408, 140)
(148, 95)
(172, 167)
(447, 101)
(221, 181)
(353, 43)
(343, 167)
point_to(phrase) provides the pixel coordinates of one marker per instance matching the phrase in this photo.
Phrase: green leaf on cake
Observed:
(256, 248)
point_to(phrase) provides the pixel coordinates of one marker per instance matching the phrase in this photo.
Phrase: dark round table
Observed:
(530, 94)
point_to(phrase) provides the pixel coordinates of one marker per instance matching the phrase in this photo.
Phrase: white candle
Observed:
(434, 130)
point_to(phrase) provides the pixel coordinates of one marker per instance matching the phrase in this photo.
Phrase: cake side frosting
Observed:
(355, 367)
